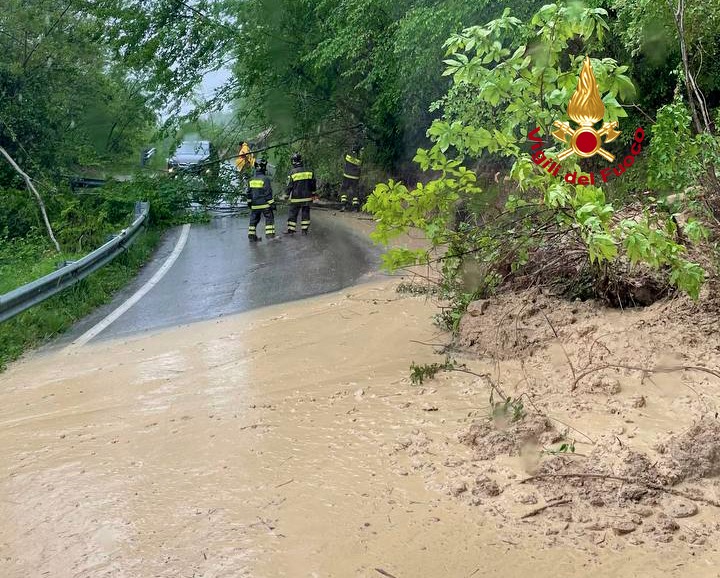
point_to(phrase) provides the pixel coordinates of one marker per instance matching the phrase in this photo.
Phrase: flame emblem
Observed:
(586, 108)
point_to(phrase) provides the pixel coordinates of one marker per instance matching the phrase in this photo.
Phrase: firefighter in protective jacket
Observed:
(351, 180)
(301, 189)
(261, 202)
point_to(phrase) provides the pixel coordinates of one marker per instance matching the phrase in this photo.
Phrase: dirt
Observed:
(613, 422)
(290, 442)
(694, 454)
(492, 438)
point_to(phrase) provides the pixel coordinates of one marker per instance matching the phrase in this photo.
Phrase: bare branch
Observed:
(40, 202)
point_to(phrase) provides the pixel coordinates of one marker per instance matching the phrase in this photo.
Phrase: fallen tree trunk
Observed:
(38, 198)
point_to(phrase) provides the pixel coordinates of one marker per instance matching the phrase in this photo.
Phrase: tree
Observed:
(510, 76)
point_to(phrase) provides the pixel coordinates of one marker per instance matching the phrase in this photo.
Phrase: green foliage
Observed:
(419, 373)
(510, 409)
(63, 103)
(677, 157)
(413, 288)
(510, 76)
(567, 447)
(169, 198)
(26, 259)
(646, 30)
(331, 64)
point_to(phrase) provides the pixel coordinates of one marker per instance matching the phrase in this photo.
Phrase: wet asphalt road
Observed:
(219, 272)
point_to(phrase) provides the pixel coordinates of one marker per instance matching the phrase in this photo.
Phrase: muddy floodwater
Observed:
(262, 445)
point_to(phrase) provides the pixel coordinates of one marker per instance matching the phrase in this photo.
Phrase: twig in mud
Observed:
(592, 441)
(526, 395)
(532, 403)
(430, 344)
(648, 485)
(499, 326)
(598, 342)
(256, 425)
(668, 369)
(373, 300)
(285, 483)
(269, 527)
(517, 321)
(495, 387)
(555, 333)
(384, 573)
(536, 511)
(525, 375)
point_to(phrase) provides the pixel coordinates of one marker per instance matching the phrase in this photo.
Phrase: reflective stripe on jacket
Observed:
(352, 167)
(301, 185)
(260, 193)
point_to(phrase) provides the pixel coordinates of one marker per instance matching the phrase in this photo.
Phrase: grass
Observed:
(57, 314)
(25, 260)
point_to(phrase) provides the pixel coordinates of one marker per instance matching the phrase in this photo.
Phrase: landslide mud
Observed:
(284, 442)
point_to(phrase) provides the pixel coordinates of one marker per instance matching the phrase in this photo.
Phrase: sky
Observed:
(210, 82)
(213, 80)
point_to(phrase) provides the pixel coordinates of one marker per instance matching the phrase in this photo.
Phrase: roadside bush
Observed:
(510, 77)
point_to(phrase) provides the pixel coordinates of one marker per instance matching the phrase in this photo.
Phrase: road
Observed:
(219, 273)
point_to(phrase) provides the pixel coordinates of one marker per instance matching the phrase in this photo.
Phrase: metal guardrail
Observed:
(86, 183)
(22, 298)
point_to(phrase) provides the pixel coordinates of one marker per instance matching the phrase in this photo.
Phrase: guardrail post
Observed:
(140, 208)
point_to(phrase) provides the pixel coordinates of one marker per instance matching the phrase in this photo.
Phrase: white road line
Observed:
(105, 323)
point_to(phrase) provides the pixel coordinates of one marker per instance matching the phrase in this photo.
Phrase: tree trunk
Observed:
(696, 100)
(40, 202)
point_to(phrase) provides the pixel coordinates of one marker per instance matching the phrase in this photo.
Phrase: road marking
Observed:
(139, 294)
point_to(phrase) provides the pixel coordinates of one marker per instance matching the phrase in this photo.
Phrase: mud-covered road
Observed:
(286, 441)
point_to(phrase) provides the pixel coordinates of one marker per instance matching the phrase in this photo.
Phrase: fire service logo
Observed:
(586, 108)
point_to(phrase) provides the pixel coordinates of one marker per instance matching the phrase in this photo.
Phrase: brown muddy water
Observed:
(262, 445)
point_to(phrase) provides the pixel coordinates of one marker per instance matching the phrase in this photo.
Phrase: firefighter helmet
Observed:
(296, 159)
(261, 165)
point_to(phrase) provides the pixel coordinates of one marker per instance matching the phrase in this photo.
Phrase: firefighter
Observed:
(261, 202)
(244, 163)
(301, 189)
(244, 158)
(351, 180)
